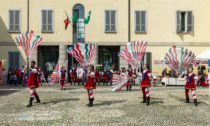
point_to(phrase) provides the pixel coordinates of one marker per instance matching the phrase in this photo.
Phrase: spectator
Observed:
(17, 73)
(201, 78)
(9, 75)
(13, 79)
(22, 75)
(4, 81)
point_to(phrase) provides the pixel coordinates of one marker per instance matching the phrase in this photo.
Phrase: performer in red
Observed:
(22, 75)
(63, 78)
(90, 85)
(112, 70)
(105, 76)
(73, 73)
(134, 76)
(97, 76)
(130, 80)
(145, 83)
(190, 85)
(33, 83)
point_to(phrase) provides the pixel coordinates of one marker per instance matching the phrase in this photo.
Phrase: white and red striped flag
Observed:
(65, 65)
(55, 75)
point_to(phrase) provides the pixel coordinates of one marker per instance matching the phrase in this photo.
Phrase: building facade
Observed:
(113, 23)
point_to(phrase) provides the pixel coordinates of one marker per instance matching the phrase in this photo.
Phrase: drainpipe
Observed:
(28, 16)
(129, 28)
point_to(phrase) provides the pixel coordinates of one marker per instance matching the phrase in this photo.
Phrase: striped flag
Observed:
(179, 58)
(29, 41)
(83, 52)
(119, 81)
(134, 52)
(65, 65)
(55, 75)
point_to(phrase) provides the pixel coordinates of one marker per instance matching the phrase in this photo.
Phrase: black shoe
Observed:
(37, 99)
(130, 88)
(187, 100)
(88, 103)
(127, 88)
(91, 102)
(30, 102)
(195, 101)
(148, 101)
(144, 99)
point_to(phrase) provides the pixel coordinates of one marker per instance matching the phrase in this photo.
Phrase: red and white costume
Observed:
(129, 75)
(90, 84)
(105, 76)
(33, 81)
(63, 78)
(145, 83)
(73, 73)
(111, 73)
(190, 84)
(97, 75)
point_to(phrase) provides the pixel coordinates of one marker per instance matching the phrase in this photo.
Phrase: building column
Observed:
(63, 54)
(123, 62)
(95, 57)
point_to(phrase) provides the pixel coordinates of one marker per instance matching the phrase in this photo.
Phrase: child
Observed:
(73, 73)
(90, 85)
(190, 85)
(105, 76)
(145, 83)
(130, 80)
(97, 76)
(63, 78)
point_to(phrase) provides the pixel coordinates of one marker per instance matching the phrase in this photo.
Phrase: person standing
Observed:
(40, 75)
(190, 85)
(134, 76)
(145, 83)
(80, 75)
(4, 80)
(9, 75)
(90, 85)
(130, 79)
(112, 70)
(200, 77)
(63, 78)
(97, 76)
(22, 76)
(33, 83)
(13, 79)
(17, 73)
(105, 76)
(73, 73)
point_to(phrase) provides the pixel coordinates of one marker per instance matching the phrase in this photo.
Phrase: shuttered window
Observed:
(140, 24)
(14, 20)
(110, 21)
(47, 20)
(14, 60)
(184, 21)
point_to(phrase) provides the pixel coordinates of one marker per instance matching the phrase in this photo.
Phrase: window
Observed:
(14, 59)
(110, 21)
(14, 20)
(184, 21)
(140, 21)
(47, 20)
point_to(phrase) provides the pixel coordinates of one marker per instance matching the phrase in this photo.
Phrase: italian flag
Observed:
(87, 19)
(69, 20)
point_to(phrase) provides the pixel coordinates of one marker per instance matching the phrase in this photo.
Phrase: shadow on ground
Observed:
(7, 92)
(60, 100)
(102, 103)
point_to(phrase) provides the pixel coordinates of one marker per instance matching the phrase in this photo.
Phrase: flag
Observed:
(65, 64)
(55, 75)
(87, 19)
(69, 20)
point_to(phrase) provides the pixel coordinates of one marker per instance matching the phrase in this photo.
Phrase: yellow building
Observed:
(113, 23)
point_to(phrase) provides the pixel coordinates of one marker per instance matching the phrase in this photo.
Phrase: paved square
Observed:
(110, 108)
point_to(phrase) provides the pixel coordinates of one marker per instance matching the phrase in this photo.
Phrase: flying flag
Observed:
(55, 75)
(87, 19)
(69, 20)
(65, 64)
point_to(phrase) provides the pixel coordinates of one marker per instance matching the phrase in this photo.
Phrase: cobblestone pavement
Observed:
(110, 108)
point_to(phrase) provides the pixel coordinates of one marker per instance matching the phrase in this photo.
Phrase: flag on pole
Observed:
(69, 20)
(55, 75)
(87, 19)
(65, 64)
